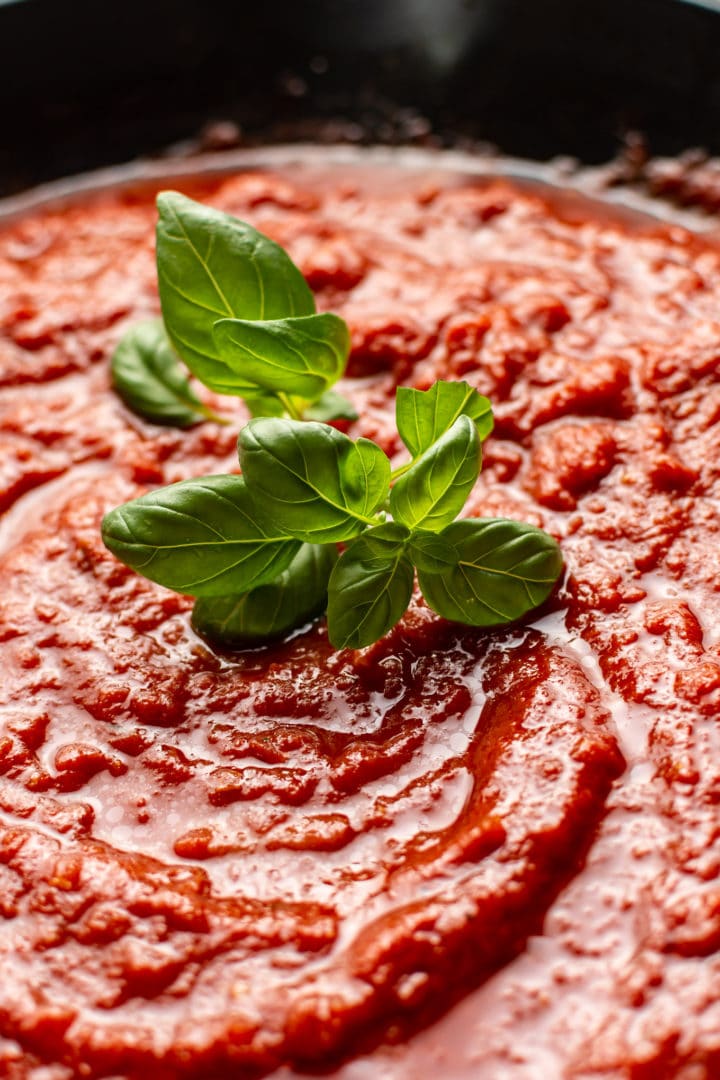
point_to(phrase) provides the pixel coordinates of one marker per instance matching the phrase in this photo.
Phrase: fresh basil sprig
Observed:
(211, 267)
(240, 317)
(259, 551)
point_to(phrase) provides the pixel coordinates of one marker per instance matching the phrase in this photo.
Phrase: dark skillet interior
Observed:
(85, 84)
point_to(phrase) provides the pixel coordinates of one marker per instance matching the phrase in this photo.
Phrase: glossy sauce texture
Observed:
(211, 865)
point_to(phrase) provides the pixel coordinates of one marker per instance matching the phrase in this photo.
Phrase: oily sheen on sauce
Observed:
(215, 865)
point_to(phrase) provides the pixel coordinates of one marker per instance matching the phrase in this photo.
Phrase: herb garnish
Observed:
(151, 382)
(259, 551)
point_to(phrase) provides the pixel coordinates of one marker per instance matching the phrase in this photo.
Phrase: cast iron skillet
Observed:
(86, 84)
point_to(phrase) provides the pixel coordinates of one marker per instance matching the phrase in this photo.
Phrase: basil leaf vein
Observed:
(423, 416)
(212, 266)
(492, 570)
(434, 489)
(302, 356)
(310, 481)
(269, 611)
(370, 587)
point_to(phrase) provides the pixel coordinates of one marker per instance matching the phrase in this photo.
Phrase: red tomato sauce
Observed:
(454, 853)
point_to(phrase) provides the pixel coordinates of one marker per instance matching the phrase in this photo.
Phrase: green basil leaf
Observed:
(302, 356)
(434, 489)
(370, 587)
(496, 570)
(269, 611)
(150, 379)
(431, 552)
(311, 481)
(198, 537)
(330, 406)
(423, 416)
(261, 404)
(212, 266)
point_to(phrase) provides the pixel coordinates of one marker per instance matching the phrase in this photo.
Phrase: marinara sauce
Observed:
(455, 853)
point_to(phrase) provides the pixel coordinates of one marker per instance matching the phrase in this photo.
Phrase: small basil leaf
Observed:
(302, 356)
(198, 537)
(311, 481)
(212, 266)
(431, 552)
(500, 570)
(330, 406)
(260, 404)
(370, 587)
(269, 611)
(424, 415)
(150, 379)
(434, 489)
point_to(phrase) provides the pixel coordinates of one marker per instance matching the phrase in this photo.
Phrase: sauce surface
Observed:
(453, 853)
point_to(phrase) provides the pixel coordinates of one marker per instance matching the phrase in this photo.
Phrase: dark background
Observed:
(85, 83)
